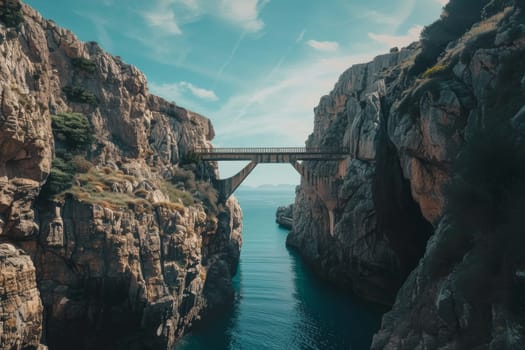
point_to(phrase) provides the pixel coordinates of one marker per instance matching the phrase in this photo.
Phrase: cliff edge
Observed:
(423, 212)
(111, 235)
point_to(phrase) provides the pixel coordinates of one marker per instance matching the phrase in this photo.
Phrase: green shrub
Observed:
(84, 64)
(457, 18)
(435, 70)
(185, 177)
(81, 164)
(57, 181)
(11, 13)
(209, 196)
(175, 194)
(72, 129)
(11, 34)
(62, 174)
(190, 158)
(80, 95)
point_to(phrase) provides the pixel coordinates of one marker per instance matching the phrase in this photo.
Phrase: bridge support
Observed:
(298, 166)
(226, 187)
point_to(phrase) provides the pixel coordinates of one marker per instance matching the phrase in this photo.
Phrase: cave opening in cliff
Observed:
(399, 217)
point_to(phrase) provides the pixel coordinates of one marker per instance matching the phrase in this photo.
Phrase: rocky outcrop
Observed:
(355, 252)
(284, 217)
(99, 188)
(405, 117)
(20, 305)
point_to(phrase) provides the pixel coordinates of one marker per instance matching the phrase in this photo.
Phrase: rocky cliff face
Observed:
(284, 216)
(102, 199)
(405, 117)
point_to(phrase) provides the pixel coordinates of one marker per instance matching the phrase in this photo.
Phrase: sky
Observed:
(256, 68)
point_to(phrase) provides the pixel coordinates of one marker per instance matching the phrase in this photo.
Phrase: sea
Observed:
(280, 303)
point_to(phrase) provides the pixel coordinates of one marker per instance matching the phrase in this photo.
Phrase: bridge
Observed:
(291, 155)
(272, 155)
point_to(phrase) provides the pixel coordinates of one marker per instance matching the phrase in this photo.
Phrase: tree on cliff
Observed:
(457, 17)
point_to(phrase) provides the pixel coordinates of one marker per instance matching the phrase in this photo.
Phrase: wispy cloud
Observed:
(243, 13)
(201, 93)
(229, 59)
(164, 20)
(300, 37)
(323, 45)
(397, 40)
(281, 108)
(179, 92)
(169, 16)
(393, 19)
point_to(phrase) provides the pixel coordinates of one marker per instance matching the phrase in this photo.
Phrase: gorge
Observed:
(113, 237)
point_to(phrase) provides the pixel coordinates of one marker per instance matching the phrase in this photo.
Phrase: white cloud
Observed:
(201, 93)
(243, 13)
(397, 40)
(179, 92)
(279, 109)
(164, 20)
(169, 16)
(393, 19)
(323, 45)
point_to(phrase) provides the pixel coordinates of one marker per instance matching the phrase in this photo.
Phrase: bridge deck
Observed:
(271, 154)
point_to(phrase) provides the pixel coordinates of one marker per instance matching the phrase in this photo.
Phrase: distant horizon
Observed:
(256, 68)
(264, 186)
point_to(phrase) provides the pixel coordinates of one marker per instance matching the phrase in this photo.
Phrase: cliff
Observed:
(426, 203)
(284, 217)
(111, 234)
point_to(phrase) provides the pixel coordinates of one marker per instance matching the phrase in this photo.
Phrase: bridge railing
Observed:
(285, 150)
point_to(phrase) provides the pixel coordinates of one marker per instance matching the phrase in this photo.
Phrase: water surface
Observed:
(280, 304)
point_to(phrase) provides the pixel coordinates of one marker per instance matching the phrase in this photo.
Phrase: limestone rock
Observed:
(368, 230)
(284, 216)
(120, 261)
(20, 304)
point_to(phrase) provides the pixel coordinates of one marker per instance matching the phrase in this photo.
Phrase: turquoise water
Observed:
(280, 304)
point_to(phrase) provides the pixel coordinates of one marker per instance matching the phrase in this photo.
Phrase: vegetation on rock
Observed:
(10, 13)
(84, 64)
(80, 95)
(73, 130)
(458, 17)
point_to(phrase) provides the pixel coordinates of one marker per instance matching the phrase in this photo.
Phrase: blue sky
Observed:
(256, 68)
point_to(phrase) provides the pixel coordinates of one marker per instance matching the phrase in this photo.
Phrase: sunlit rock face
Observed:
(388, 230)
(20, 305)
(108, 240)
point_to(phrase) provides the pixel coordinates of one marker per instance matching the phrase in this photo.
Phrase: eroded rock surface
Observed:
(365, 223)
(98, 186)
(284, 216)
(20, 304)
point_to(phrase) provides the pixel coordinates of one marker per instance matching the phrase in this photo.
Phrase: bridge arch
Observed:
(325, 187)
(292, 155)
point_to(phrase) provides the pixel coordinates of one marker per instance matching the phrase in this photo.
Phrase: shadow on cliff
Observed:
(399, 217)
